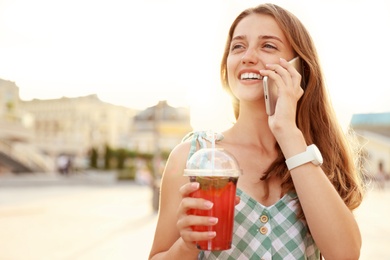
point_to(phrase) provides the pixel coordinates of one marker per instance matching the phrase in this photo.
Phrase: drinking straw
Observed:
(213, 149)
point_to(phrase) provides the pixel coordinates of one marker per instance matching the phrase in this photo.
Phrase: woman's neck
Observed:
(252, 127)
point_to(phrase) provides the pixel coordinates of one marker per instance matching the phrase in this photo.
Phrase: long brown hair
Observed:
(315, 115)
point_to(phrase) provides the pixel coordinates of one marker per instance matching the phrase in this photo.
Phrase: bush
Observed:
(127, 174)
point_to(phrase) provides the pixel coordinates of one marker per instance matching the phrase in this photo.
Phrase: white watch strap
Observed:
(298, 160)
(312, 154)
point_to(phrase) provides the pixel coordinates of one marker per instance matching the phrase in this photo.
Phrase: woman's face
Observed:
(257, 40)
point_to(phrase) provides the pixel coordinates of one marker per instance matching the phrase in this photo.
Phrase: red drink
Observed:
(217, 172)
(222, 192)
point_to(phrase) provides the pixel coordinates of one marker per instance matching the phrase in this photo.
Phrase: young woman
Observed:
(308, 205)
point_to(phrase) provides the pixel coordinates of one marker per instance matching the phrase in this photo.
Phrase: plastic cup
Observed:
(217, 172)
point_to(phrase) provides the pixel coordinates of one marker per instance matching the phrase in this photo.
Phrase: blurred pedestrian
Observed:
(381, 176)
(143, 176)
(63, 164)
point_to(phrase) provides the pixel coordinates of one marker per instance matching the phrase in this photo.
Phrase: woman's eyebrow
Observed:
(260, 37)
(239, 37)
(270, 37)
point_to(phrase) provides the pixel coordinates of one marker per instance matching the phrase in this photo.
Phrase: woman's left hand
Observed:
(288, 81)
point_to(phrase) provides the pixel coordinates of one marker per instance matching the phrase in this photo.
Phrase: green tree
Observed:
(121, 158)
(93, 158)
(108, 154)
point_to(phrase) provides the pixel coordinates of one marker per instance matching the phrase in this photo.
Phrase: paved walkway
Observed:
(51, 218)
(373, 217)
(96, 218)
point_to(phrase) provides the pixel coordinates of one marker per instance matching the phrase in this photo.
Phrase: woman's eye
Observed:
(236, 46)
(269, 46)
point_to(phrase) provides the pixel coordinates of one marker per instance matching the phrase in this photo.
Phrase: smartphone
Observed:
(271, 91)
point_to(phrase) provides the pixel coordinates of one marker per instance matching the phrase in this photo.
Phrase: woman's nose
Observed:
(249, 57)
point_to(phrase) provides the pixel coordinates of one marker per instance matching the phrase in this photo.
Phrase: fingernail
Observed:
(195, 185)
(212, 233)
(213, 220)
(281, 59)
(208, 204)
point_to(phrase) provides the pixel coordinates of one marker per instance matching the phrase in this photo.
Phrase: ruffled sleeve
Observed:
(201, 137)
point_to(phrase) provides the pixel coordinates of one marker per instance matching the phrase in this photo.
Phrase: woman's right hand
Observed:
(186, 220)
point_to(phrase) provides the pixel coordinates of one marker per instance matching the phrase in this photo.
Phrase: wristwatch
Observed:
(312, 154)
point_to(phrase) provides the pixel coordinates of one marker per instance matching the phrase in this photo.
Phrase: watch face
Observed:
(317, 155)
(312, 154)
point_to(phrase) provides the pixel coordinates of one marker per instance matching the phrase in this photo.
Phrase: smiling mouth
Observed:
(250, 76)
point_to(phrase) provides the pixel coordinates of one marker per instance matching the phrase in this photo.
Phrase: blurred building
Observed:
(16, 152)
(12, 128)
(160, 128)
(72, 126)
(34, 134)
(373, 132)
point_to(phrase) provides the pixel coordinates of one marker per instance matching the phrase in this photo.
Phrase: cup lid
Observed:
(212, 162)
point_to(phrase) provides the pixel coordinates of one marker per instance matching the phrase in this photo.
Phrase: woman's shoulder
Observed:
(181, 148)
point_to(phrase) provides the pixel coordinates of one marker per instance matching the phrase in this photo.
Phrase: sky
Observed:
(136, 53)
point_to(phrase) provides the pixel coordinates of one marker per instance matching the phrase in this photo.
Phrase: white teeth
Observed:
(251, 75)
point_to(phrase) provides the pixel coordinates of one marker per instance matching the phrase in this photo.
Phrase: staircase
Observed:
(22, 157)
(13, 165)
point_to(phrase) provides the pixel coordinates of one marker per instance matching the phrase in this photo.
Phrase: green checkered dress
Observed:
(261, 232)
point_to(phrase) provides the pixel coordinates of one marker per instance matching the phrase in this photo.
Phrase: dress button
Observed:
(264, 218)
(263, 230)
